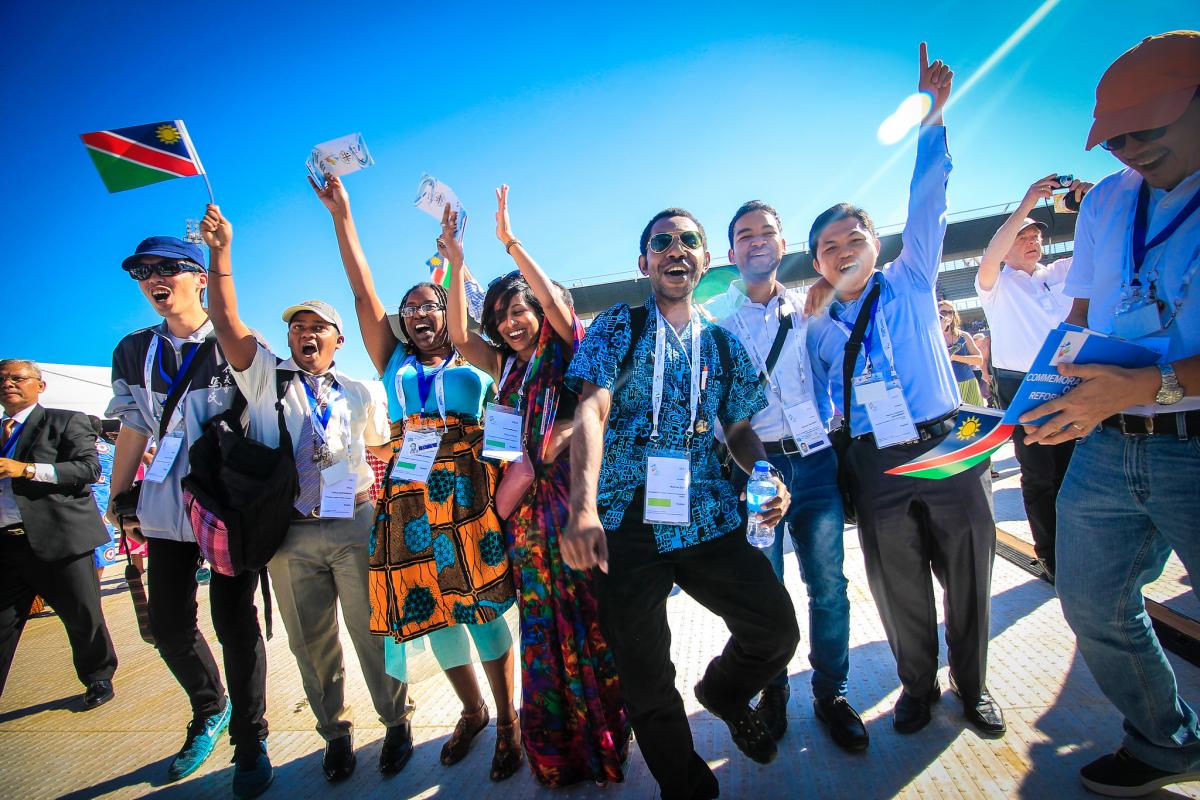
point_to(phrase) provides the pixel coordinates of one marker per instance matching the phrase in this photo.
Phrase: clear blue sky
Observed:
(597, 115)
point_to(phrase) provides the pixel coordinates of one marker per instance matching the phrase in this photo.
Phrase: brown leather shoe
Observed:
(508, 750)
(468, 727)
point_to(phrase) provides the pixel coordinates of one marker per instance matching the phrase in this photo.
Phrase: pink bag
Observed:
(517, 478)
(211, 535)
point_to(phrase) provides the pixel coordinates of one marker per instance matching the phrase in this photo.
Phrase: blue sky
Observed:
(597, 115)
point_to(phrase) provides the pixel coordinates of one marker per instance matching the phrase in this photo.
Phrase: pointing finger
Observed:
(924, 56)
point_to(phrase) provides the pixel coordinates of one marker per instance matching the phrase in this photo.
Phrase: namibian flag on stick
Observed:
(977, 434)
(128, 158)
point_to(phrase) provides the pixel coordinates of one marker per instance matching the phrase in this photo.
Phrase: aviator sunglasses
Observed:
(167, 269)
(689, 239)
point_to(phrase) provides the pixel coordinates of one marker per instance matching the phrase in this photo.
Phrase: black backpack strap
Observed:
(283, 377)
(183, 384)
(264, 584)
(854, 346)
(721, 337)
(785, 325)
(638, 317)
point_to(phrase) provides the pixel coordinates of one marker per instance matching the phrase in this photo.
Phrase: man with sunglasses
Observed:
(1131, 493)
(178, 363)
(651, 507)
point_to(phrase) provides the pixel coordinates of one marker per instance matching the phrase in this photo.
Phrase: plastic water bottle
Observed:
(759, 490)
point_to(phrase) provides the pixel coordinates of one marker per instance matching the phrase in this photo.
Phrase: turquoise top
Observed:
(466, 388)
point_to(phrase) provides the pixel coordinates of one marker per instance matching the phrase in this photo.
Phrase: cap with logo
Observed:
(166, 247)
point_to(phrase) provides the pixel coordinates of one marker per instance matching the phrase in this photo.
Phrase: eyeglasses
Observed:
(1118, 142)
(424, 308)
(689, 239)
(167, 269)
(16, 379)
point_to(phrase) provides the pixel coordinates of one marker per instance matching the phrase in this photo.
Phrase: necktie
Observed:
(6, 431)
(308, 471)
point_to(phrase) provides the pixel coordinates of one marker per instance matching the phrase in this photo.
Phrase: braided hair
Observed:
(443, 297)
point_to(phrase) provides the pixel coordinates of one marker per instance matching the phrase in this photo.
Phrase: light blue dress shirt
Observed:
(907, 301)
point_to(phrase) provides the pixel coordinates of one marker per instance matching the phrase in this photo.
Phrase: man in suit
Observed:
(49, 526)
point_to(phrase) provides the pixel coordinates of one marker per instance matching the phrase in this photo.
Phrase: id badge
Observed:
(668, 489)
(502, 433)
(1138, 321)
(418, 450)
(806, 426)
(337, 491)
(164, 457)
(891, 421)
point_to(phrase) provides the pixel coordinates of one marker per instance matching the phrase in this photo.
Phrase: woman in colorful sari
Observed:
(439, 573)
(573, 722)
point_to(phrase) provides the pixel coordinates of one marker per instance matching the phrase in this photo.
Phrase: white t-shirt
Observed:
(1022, 308)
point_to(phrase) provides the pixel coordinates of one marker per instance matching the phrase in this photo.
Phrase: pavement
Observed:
(1058, 720)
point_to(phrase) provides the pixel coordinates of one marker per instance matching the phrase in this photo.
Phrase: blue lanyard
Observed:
(10, 446)
(179, 373)
(425, 382)
(320, 414)
(869, 331)
(1141, 222)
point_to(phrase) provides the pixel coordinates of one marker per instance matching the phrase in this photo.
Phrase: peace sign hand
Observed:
(936, 80)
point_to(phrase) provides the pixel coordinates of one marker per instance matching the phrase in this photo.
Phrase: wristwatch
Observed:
(1170, 392)
(30, 470)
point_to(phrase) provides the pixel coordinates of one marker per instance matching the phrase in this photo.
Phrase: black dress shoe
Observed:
(912, 713)
(745, 726)
(339, 760)
(845, 725)
(772, 710)
(397, 749)
(98, 693)
(985, 715)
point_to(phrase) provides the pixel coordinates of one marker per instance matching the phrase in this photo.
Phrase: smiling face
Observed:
(845, 255)
(758, 245)
(517, 322)
(173, 296)
(313, 342)
(425, 329)
(1026, 251)
(1167, 160)
(675, 271)
(20, 386)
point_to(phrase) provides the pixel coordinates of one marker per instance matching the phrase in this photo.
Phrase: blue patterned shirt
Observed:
(729, 398)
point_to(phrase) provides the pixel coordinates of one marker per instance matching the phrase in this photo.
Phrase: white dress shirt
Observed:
(1022, 308)
(10, 514)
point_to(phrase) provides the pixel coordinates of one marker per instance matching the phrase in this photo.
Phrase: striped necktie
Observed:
(308, 472)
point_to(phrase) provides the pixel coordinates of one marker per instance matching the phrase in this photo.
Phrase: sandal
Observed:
(508, 750)
(456, 747)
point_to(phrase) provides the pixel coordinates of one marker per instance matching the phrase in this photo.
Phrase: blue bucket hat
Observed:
(167, 247)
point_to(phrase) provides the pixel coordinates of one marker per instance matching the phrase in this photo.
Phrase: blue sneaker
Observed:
(202, 736)
(252, 771)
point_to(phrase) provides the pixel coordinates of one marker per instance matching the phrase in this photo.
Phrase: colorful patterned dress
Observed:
(573, 722)
(437, 556)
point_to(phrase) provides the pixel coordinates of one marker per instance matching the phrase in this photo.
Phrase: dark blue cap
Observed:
(167, 247)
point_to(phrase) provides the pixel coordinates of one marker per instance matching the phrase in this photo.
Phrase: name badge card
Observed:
(337, 491)
(668, 488)
(806, 427)
(415, 460)
(164, 457)
(1137, 321)
(891, 421)
(502, 433)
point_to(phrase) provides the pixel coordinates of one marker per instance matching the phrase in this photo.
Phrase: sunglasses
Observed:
(424, 308)
(1117, 142)
(167, 269)
(689, 239)
(516, 273)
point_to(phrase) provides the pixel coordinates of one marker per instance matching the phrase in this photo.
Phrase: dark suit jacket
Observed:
(60, 519)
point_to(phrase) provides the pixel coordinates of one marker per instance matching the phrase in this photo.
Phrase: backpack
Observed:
(240, 493)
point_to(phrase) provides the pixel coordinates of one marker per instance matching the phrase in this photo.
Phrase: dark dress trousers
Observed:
(53, 557)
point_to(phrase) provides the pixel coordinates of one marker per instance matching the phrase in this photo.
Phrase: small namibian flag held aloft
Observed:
(128, 158)
(978, 432)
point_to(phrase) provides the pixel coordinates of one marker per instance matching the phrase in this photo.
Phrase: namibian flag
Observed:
(439, 270)
(144, 154)
(977, 434)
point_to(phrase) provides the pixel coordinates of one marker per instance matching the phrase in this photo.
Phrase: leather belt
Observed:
(1183, 424)
(784, 447)
(315, 514)
(928, 430)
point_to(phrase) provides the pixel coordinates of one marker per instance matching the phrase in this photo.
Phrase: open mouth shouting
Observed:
(517, 337)
(678, 272)
(850, 267)
(161, 295)
(309, 349)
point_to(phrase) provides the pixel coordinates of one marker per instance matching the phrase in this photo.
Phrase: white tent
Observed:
(76, 387)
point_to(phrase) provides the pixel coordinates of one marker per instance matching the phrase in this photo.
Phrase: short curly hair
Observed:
(667, 213)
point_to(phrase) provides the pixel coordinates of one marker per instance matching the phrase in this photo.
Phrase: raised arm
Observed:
(584, 544)
(237, 342)
(377, 333)
(1004, 238)
(558, 314)
(470, 344)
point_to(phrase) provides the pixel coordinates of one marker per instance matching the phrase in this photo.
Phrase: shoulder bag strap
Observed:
(182, 386)
(638, 317)
(853, 347)
(785, 325)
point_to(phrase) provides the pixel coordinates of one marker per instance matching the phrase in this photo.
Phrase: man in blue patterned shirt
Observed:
(653, 383)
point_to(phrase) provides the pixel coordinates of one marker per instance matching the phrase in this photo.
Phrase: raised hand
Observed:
(503, 226)
(1041, 190)
(333, 195)
(936, 80)
(215, 229)
(448, 246)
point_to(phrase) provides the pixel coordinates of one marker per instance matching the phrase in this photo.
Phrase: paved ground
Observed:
(1057, 718)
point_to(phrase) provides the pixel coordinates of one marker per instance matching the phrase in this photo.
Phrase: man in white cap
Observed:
(1024, 301)
(331, 419)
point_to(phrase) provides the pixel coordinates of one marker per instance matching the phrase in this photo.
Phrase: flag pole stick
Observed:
(208, 186)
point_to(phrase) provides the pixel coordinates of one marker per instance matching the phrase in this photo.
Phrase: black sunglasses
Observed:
(689, 239)
(516, 273)
(167, 269)
(1117, 142)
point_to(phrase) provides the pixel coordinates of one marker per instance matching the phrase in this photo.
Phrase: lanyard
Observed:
(10, 446)
(524, 381)
(1141, 215)
(318, 410)
(438, 379)
(798, 340)
(154, 356)
(885, 339)
(660, 349)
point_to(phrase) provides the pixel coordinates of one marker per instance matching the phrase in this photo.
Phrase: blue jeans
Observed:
(816, 522)
(1125, 503)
